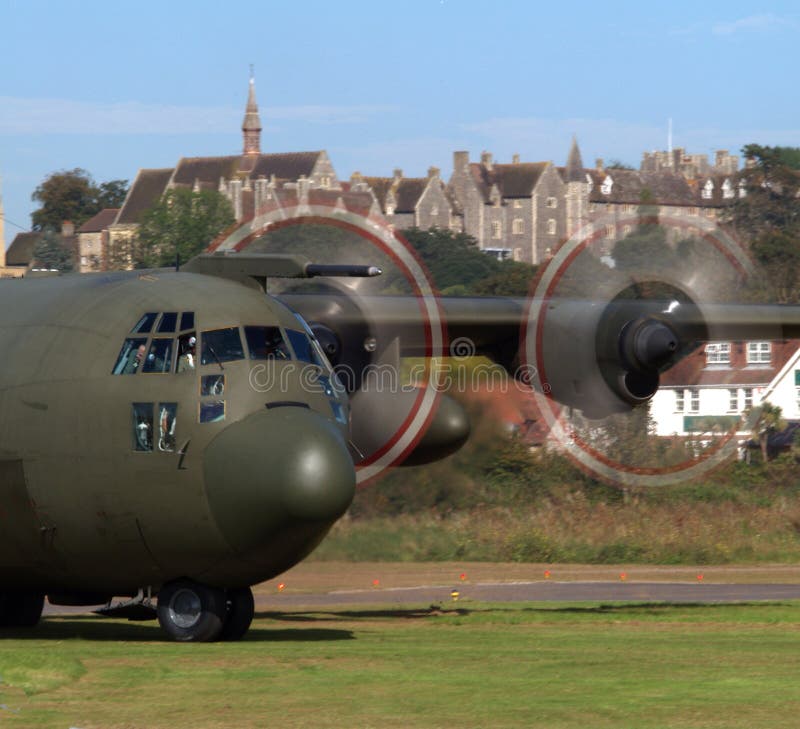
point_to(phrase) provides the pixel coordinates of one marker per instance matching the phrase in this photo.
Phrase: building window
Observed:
(718, 353)
(627, 230)
(551, 226)
(518, 226)
(680, 403)
(694, 400)
(497, 229)
(610, 230)
(748, 398)
(517, 203)
(608, 183)
(797, 398)
(691, 211)
(727, 190)
(733, 401)
(759, 352)
(435, 210)
(551, 202)
(708, 190)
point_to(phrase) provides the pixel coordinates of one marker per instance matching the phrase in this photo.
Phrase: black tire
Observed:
(241, 608)
(189, 611)
(20, 609)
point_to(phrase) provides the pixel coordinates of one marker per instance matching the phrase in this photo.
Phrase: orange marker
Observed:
(547, 574)
(281, 587)
(463, 577)
(376, 583)
(623, 576)
(699, 578)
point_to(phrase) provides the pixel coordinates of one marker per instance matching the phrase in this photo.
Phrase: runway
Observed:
(669, 592)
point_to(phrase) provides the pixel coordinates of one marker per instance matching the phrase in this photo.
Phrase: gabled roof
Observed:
(205, 169)
(99, 222)
(512, 180)
(717, 194)
(408, 192)
(380, 187)
(20, 251)
(286, 165)
(692, 370)
(665, 188)
(147, 188)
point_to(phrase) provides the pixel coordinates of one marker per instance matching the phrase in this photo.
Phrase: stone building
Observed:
(678, 161)
(248, 180)
(410, 202)
(514, 210)
(93, 240)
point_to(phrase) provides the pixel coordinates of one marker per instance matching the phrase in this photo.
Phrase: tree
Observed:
(768, 216)
(73, 195)
(768, 420)
(512, 278)
(182, 223)
(453, 259)
(51, 254)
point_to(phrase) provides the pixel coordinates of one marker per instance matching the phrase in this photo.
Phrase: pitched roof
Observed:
(100, 221)
(147, 188)
(20, 251)
(286, 165)
(380, 187)
(205, 169)
(517, 180)
(665, 188)
(407, 193)
(693, 371)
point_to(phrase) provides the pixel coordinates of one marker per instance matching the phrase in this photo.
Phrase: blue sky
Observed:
(112, 87)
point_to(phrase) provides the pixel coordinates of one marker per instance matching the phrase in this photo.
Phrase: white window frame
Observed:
(551, 202)
(497, 230)
(759, 353)
(694, 400)
(733, 401)
(518, 226)
(718, 353)
(680, 401)
(551, 226)
(748, 398)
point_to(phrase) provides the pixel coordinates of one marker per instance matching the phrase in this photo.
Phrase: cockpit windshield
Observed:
(221, 345)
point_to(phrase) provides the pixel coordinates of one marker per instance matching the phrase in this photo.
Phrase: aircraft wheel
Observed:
(189, 611)
(241, 608)
(20, 609)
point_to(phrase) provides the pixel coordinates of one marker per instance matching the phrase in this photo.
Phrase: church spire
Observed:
(574, 170)
(251, 126)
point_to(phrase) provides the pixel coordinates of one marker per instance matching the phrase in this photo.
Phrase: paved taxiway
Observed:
(675, 592)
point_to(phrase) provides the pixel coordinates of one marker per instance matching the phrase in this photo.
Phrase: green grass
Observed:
(466, 665)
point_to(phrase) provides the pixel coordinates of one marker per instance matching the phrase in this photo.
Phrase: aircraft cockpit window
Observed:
(304, 348)
(212, 412)
(145, 324)
(187, 320)
(142, 426)
(187, 352)
(221, 345)
(266, 343)
(212, 385)
(130, 356)
(167, 418)
(159, 357)
(168, 321)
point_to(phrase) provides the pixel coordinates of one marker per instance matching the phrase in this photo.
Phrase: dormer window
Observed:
(727, 190)
(759, 353)
(742, 189)
(389, 209)
(608, 183)
(708, 190)
(718, 353)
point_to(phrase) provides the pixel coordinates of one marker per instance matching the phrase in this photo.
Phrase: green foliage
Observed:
(182, 223)
(769, 218)
(73, 195)
(51, 254)
(513, 278)
(452, 258)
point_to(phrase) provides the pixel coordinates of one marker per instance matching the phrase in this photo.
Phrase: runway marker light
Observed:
(281, 587)
(700, 578)
(463, 576)
(547, 574)
(623, 576)
(376, 583)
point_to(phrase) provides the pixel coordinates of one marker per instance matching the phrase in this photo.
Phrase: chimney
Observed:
(397, 173)
(486, 159)
(67, 229)
(433, 172)
(460, 161)
(515, 159)
(598, 163)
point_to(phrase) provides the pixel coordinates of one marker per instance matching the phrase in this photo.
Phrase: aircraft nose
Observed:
(282, 466)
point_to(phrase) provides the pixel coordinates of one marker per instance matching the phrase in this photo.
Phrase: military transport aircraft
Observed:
(180, 434)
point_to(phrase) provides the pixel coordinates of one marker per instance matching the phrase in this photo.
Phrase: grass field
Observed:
(462, 665)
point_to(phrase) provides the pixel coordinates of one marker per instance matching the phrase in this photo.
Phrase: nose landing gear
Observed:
(192, 612)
